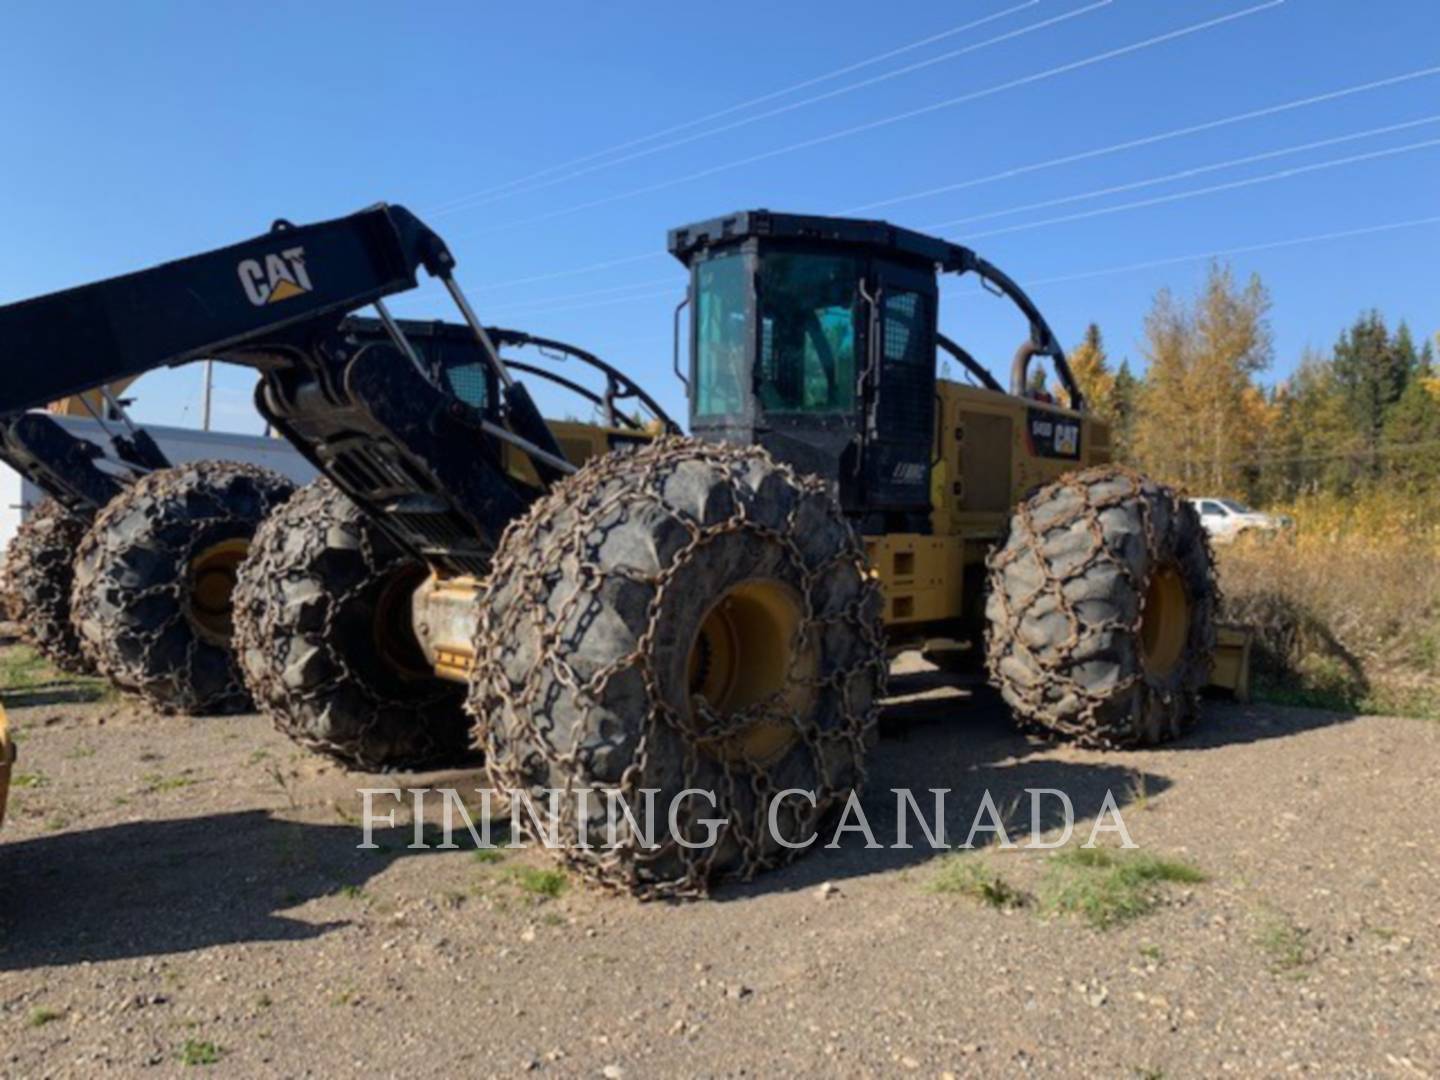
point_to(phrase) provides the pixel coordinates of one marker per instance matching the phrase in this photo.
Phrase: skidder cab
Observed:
(816, 338)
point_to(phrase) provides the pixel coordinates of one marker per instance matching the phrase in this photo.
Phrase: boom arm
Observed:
(211, 305)
(365, 408)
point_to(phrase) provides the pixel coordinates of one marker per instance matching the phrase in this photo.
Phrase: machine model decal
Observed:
(279, 278)
(909, 472)
(1053, 436)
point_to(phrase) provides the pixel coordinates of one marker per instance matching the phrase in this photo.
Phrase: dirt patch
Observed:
(176, 893)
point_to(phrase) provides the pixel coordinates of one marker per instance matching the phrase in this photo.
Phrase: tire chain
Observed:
(99, 552)
(39, 567)
(259, 602)
(1038, 711)
(564, 525)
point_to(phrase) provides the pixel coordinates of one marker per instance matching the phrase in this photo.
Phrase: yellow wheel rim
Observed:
(1164, 621)
(743, 653)
(212, 581)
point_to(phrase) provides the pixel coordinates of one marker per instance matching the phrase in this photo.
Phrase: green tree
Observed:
(1125, 404)
(1312, 443)
(1411, 439)
(1371, 370)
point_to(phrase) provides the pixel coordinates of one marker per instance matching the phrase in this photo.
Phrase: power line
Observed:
(648, 283)
(1193, 171)
(793, 106)
(1180, 196)
(589, 268)
(1149, 140)
(843, 133)
(1264, 460)
(1130, 144)
(732, 109)
(1220, 253)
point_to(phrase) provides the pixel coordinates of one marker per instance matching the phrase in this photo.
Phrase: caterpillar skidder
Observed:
(125, 568)
(38, 571)
(624, 610)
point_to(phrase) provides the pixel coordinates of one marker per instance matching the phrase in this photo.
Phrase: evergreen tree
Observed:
(1312, 443)
(1125, 402)
(1411, 443)
(1091, 368)
(1371, 370)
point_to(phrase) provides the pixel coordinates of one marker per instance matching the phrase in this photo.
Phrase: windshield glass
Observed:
(721, 287)
(1235, 507)
(807, 333)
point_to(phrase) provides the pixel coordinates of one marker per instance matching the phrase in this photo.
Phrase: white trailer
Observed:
(18, 496)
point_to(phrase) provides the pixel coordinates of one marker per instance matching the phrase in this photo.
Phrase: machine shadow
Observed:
(937, 735)
(938, 731)
(1228, 722)
(150, 888)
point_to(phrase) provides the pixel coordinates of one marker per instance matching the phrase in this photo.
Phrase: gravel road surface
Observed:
(180, 892)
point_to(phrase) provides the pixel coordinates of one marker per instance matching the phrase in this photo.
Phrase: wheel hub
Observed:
(212, 581)
(745, 653)
(1164, 621)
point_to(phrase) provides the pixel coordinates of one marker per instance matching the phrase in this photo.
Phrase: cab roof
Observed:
(691, 242)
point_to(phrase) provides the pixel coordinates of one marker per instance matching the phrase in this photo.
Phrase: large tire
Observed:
(1101, 610)
(687, 616)
(153, 578)
(322, 630)
(39, 570)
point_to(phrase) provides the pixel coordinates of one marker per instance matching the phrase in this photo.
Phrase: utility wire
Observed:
(1265, 460)
(1232, 185)
(872, 125)
(732, 109)
(794, 105)
(1130, 144)
(1018, 170)
(1150, 140)
(1185, 173)
(1220, 253)
(651, 283)
(648, 283)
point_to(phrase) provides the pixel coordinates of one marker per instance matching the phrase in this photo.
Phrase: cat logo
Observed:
(278, 278)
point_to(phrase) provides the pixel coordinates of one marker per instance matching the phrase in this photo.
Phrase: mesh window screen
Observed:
(467, 382)
(905, 328)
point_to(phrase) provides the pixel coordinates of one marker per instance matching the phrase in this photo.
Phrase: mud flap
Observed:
(1231, 670)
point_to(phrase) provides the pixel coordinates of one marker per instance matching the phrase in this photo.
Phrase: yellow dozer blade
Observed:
(1231, 670)
(7, 761)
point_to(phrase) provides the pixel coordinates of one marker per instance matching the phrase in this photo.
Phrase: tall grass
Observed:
(1347, 608)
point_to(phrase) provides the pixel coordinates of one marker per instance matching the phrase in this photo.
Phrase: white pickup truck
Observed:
(1226, 520)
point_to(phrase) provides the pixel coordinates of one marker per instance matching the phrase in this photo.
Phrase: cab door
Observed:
(900, 417)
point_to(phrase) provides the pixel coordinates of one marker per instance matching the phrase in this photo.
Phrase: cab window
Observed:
(807, 333)
(722, 292)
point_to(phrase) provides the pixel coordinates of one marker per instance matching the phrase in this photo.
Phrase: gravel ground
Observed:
(174, 888)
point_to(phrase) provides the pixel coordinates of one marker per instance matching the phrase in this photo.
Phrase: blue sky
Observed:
(553, 144)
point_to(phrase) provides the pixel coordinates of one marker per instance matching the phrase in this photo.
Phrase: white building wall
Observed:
(18, 496)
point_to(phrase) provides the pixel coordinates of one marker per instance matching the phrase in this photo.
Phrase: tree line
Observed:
(1363, 416)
